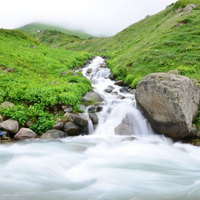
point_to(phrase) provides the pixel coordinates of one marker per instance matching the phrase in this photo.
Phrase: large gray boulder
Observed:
(10, 125)
(92, 96)
(80, 119)
(169, 102)
(54, 134)
(25, 133)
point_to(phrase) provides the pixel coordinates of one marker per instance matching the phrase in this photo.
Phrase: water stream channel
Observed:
(102, 165)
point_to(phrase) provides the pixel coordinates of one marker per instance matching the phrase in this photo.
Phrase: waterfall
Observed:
(102, 165)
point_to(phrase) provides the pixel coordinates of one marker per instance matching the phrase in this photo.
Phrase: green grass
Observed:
(153, 44)
(56, 38)
(35, 81)
(32, 29)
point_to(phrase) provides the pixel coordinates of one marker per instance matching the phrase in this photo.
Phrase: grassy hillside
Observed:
(56, 38)
(36, 77)
(159, 43)
(32, 29)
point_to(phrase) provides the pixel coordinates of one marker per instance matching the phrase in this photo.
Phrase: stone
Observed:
(119, 96)
(124, 90)
(133, 91)
(119, 83)
(109, 89)
(92, 109)
(179, 10)
(89, 70)
(71, 129)
(58, 125)
(169, 102)
(7, 104)
(54, 134)
(10, 125)
(175, 72)
(78, 119)
(124, 129)
(29, 123)
(111, 76)
(99, 108)
(1, 118)
(92, 96)
(94, 117)
(69, 109)
(25, 133)
(189, 8)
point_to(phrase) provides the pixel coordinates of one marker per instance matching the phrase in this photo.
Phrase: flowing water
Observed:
(102, 165)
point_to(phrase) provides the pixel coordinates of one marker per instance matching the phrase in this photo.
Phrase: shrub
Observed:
(135, 81)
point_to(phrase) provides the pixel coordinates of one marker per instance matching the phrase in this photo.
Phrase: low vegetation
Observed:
(36, 77)
(159, 43)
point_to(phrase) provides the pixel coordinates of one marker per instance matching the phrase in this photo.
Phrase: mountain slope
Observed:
(37, 77)
(159, 43)
(32, 29)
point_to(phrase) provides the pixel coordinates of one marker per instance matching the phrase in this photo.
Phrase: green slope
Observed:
(31, 77)
(154, 44)
(32, 29)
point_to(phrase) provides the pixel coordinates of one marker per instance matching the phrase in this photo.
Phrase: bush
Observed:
(135, 81)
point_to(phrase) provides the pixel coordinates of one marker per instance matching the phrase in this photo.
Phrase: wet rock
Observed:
(119, 96)
(92, 109)
(109, 89)
(128, 119)
(99, 108)
(59, 125)
(124, 90)
(10, 125)
(94, 117)
(92, 96)
(25, 133)
(80, 120)
(111, 77)
(89, 70)
(54, 134)
(119, 83)
(169, 102)
(124, 129)
(71, 129)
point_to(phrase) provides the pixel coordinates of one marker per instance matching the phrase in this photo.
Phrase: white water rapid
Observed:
(102, 165)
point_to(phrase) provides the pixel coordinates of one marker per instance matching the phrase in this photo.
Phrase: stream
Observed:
(102, 165)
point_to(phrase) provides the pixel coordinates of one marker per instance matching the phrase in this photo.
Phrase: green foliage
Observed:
(43, 123)
(17, 112)
(186, 70)
(36, 80)
(183, 3)
(135, 81)
(129, 79)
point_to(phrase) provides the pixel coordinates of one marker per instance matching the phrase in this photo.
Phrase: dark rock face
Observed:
(71, 129)
(54, 134)
(80, 120)
(119, 83)
(92, 96)
(25, 133)
(170, 103)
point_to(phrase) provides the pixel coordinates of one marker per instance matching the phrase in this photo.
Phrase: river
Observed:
(102, 165)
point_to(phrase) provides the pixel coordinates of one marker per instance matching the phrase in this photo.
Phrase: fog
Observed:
(97, 17)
